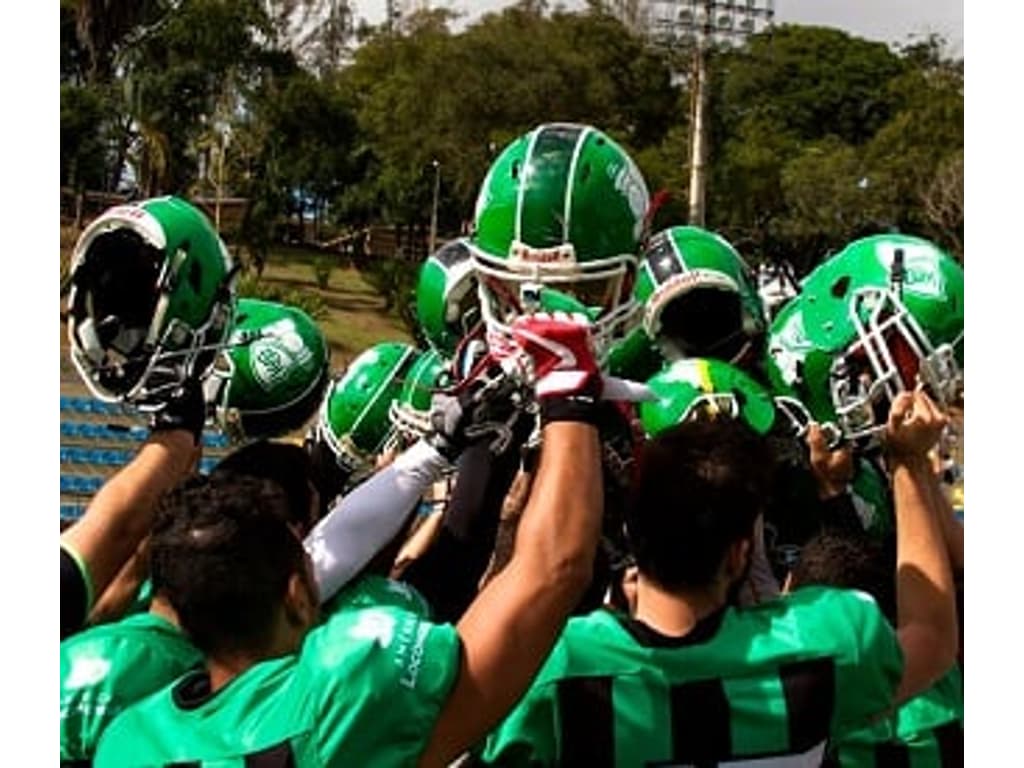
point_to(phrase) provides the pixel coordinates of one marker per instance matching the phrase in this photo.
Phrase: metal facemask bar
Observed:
(799, 419)
(553, 267)
(856, 401)
(605, 330)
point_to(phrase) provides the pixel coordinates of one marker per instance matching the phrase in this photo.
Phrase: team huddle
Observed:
(623, 509)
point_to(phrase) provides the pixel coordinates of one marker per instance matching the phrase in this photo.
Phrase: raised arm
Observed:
(508, 631)
(94, 549)
(363, 522)
(926, 611)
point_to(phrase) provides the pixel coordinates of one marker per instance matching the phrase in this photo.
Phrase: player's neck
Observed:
(675, 613)
(225, 666)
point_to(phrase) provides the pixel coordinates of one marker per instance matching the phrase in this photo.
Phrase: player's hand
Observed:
(482, 407)
(915, 426)
(185, 409)
(559, 351)
(832, 467)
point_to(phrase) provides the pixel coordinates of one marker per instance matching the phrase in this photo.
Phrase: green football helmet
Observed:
(353, 420)
(152, 294)
(270, 378)
(695, 387)
(410, 411)
(447, 306)
(700, 298)
(563, 206)
(876, 319)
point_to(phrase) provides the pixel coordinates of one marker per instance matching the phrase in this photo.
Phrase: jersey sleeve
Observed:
(381, 675)
(870, 667)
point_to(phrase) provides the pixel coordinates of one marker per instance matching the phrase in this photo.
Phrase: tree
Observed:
(943, 202)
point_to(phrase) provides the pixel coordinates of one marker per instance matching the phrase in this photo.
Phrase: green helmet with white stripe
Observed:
(152, 295)
(563, 206)
(353, 420)
(446, 296)
(271, 377)
(699, 297)
(410, 411)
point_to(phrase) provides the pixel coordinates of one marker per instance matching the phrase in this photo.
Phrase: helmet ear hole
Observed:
(841, 286)
(515, 170)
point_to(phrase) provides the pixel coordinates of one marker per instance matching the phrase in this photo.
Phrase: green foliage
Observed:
(82, 145)
(395, 280)
(252, 286)
(322, 267)
(815, 136)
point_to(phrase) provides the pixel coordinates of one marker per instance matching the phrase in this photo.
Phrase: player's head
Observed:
(699, 486)
(563, 206)
(271, 377)
(225, 557)
(447, 306)
(352, 426)
(287, 465)
(152, 293)
(848, 559)
(700, 298)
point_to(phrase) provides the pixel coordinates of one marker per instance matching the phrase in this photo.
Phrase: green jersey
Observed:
(774, 682)
(366, 688)
(926, 732)
(107, 668)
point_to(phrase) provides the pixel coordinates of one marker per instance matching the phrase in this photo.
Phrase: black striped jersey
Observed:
(926, 732)
(770, 685)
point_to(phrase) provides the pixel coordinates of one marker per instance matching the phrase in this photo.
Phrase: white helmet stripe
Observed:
(581, 139)
(521, 192)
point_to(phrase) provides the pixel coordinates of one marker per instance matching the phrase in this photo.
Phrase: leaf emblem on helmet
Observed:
(280, 350)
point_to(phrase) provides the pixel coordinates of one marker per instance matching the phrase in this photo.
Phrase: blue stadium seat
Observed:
(215, 440)
(71, 511)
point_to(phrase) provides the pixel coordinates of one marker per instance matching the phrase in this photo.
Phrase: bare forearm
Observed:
(510, 628)
(924, 582)
(121, 513)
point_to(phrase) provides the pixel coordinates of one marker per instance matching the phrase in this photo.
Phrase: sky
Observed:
(890, 21)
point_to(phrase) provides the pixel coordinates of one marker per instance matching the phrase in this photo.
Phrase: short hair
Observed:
(698, 488)
(283, 463)
(222, 553)
(850, 560)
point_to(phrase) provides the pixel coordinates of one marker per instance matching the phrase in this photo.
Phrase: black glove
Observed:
(484, 407)
(185, 409)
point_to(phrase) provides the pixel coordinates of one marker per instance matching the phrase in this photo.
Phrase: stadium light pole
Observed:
(433, 210)
(702, 23)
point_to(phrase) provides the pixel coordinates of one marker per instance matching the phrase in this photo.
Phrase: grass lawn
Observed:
(355, 318)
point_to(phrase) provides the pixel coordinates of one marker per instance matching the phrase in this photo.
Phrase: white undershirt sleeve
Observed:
(359, 525)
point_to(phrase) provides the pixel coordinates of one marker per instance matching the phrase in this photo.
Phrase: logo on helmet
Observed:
(628, 181)
(280, 349)
(559, 254)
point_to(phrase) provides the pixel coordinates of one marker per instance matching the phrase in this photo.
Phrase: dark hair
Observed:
(329, 477)
(283, 463)
(698, 488)
(850, 560)
(222, 553)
